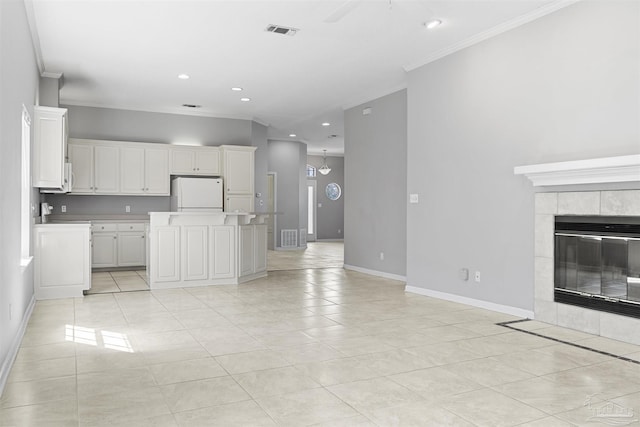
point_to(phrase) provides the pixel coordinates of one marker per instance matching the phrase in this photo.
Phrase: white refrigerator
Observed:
(196, 194)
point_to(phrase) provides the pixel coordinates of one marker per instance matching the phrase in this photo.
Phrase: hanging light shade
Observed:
(324, 169)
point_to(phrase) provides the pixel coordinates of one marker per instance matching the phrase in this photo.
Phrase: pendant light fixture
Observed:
(324, 169)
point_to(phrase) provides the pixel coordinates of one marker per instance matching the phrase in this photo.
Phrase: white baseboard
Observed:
(296, 248)
(376, 273)
(329, 240)
(15, 345)
(513, 311)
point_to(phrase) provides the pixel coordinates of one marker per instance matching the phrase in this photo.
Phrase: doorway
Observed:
(311, 210)
(271, 207)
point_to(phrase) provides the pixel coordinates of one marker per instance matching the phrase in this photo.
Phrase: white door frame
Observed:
(313, 204)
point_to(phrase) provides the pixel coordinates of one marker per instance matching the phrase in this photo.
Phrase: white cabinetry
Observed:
(194, 254)
(165, 254)
(62, 260)
(95, 168)
(223, 249)
(144, 170)
(238, 171)
(195, 161)
(50, 146)
(253, 249)
(118, 245)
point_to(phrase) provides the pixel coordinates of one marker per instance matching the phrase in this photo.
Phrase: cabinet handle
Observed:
(142, 237)
(115, 237)
(131, 227)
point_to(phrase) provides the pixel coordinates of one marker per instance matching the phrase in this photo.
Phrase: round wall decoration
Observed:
(333, 191)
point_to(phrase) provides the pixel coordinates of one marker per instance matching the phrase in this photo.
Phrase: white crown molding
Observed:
(35, 38)
(371, 96)
(492, 32)
(592, 171)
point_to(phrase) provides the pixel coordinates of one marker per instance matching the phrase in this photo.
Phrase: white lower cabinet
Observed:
(260, 248)
(118, 245)
(222, 244)
(62, 260)
(246, 250)
(104, 247)
(253, 249)
(166, 254)
(195, 253)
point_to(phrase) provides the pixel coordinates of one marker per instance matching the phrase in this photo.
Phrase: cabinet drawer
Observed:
(139, 226)
(97, 228)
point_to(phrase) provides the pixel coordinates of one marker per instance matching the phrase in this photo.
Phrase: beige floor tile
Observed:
(47, 351)
(186, 370)
(232, 345)
(121, 407)
(97, 360)
(203, 393)
(114, 381)
(376, 393)
(62, 413)
(314, 352)
(537, 362)
(338, 371)
(123, 273)
(489, 408)
(38, 391)
(306, 407)
(154, 421)
(357, 421)
(273, 382)
(547, 422)
(43, 369)
(434, 383)
(241, 414)
(488, 372)
(422, 414)
(251, 361)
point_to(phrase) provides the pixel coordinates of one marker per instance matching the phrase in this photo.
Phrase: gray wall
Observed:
(140, 126)
(288, 159)
(330, 216)
(564, 87)
(18, 85)
(259, 139)
(375, 207)
(49, 91)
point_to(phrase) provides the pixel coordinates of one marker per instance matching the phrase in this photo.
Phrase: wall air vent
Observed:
(279, 29)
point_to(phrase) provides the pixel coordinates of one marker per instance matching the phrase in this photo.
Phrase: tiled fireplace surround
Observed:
(547, 206)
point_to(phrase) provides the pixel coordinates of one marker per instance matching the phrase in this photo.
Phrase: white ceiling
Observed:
(128, 53)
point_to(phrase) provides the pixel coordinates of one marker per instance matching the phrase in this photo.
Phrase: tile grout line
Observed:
(605, 353)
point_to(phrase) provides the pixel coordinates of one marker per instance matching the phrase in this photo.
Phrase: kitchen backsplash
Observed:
(99, 205)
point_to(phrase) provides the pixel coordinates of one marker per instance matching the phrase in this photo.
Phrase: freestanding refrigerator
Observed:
(196, 194)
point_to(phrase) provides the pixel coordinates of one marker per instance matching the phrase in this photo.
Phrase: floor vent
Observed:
(303, 237)
(289, 238)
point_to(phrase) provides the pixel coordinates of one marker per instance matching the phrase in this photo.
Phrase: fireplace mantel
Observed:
(591, 171)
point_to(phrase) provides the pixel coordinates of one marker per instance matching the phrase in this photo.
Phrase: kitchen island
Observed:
(205, 248)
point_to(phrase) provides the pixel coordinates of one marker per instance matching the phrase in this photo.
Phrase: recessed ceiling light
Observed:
(236, 89)
(432, 24)
(245, 99)
(183, 76)
(292, 135)
(326, 124)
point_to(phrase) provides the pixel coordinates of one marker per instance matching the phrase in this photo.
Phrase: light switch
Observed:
(413, 198)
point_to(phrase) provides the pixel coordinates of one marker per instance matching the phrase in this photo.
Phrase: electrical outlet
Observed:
(63, 208)
(381, 256)
(127, 208)
(478, 276)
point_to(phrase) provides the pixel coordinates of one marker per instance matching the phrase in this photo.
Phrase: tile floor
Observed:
(316, 255)
(323, 347)
(118, 281)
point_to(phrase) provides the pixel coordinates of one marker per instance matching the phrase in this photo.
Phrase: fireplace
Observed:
(597, 263)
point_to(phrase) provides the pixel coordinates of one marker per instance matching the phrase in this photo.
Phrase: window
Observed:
(311, 171)
(25, 195)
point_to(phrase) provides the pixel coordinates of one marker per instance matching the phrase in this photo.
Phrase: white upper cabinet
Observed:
(144, 170)
(95, 168)
(238, 172)
(50, 146)
(195, 161)
(114, 167)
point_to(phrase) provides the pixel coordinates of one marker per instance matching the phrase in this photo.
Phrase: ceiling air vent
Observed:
(279, 29)
(191, 105)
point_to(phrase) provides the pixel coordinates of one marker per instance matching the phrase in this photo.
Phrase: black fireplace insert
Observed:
(597, 263)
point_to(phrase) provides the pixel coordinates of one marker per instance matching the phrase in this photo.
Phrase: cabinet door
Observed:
(182, 162)
(207, 161)
(132, 170)
(238, 171)
(246, 250)
(222, 259)
(166, 254)
(156, 171)
(131, 249)
(49, 147)
(195, 240)
(106, 169)
(104, 250)
(234, 203)
(81, 158)
(260, 248)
